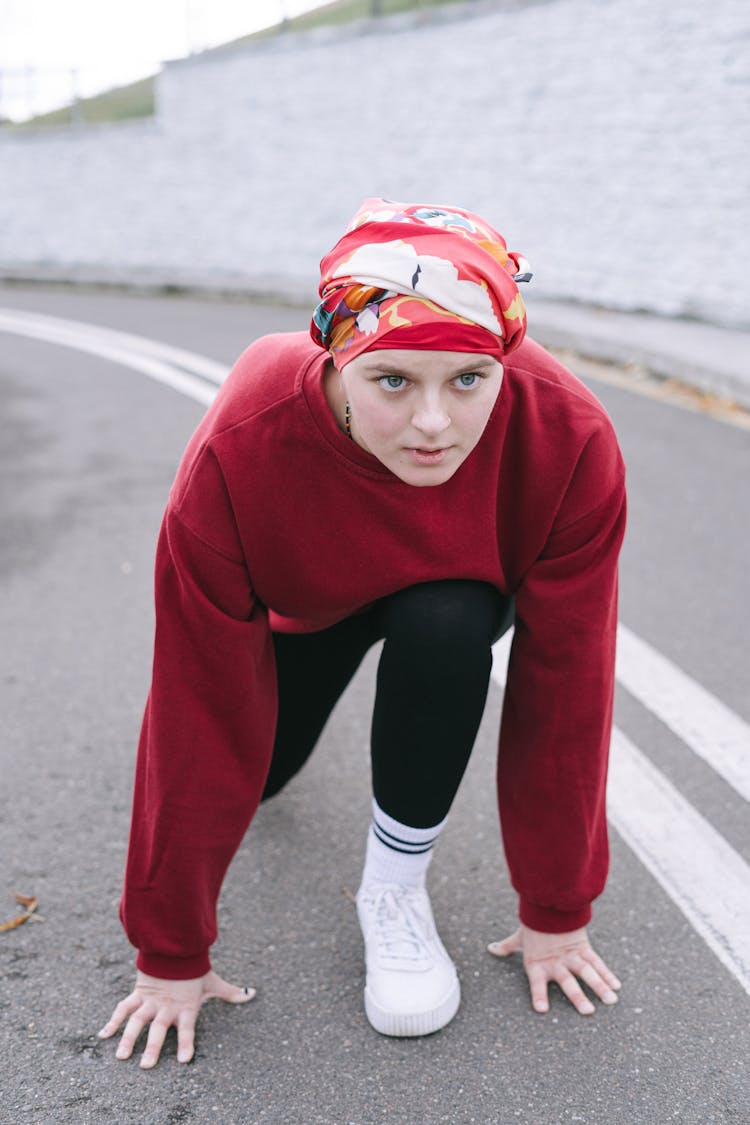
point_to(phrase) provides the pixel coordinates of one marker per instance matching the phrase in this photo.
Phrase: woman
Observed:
(418, 473)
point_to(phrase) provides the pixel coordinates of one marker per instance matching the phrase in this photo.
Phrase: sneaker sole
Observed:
(408, 1024)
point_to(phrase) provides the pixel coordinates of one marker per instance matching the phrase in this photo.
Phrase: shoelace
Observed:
(398, 927)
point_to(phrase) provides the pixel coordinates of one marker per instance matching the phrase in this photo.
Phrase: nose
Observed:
(431, 417)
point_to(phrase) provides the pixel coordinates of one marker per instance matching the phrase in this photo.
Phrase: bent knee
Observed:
(458, 614)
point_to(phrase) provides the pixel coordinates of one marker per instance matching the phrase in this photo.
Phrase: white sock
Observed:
(398, 853)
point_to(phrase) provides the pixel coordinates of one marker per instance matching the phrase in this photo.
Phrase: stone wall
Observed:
(606, 139)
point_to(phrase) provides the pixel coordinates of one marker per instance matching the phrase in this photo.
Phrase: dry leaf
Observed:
(27, 901)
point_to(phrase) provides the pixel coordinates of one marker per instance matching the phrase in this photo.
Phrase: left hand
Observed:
(560, 958)
(161, 1004)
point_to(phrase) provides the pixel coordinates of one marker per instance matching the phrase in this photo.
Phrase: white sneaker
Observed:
(411, 987)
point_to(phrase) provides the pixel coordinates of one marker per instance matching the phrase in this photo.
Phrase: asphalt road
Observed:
(88, 448)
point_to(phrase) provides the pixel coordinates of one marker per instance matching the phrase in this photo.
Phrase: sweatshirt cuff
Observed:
(547, 920)
(173, 968)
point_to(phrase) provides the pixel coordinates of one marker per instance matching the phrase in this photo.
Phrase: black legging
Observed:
(431, 691)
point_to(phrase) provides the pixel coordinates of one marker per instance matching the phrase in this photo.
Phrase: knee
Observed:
(457, 616)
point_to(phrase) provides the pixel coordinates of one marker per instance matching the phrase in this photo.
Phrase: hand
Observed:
(560, 958)
(163, 1004)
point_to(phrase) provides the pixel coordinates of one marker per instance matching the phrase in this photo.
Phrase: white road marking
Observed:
(158, 361)
(500, 657)
(704, 723)
(706, 878)
(696, 867)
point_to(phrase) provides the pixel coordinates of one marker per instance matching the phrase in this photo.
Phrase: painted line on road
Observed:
(158, 361)
(705, 724)
(694, 864)
(702, 874)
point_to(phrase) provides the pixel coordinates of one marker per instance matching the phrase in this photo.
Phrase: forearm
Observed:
(557, 717)
(551, 797)
(203, 755)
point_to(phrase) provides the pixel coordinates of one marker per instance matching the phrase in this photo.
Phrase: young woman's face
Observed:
(421, 412)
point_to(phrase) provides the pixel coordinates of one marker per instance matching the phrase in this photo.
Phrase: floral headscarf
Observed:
(416, 276)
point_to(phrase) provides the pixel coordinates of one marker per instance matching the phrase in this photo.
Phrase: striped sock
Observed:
(397, 853)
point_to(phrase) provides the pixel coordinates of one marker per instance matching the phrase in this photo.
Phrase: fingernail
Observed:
(540, 1007)
(120, 1054)
(248, 992)
(616, 983)
(587, 1009)
(609, 998)
(184, 1056)
(103, 1033)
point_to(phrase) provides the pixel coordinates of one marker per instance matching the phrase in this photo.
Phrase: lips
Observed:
(427, 455)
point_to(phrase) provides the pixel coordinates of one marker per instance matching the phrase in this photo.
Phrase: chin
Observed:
(424, 478)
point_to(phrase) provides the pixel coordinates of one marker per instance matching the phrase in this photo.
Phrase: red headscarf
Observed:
(416, 276)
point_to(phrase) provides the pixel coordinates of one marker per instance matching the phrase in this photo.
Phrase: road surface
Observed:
(94, 423)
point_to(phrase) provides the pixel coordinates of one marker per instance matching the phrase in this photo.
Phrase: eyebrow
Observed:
(394, 369)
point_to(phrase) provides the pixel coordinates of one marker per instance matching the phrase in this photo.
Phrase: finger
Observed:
(509, 945)
(538, 985)
(185, 1037)
(133, 1029)
(216, 988)
(122, 1011)
(156, 1036)
(596, 983)
(603, 970)
(575, 993)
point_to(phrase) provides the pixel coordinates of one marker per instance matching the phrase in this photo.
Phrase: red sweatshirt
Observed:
(277, 520)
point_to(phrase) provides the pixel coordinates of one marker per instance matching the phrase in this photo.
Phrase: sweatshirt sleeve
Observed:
(557, 713)
(207, 734)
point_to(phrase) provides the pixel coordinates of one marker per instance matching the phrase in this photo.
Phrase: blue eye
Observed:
(468, 379)
(392, 382)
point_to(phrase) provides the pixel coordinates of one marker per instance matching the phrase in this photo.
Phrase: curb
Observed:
(710, 358)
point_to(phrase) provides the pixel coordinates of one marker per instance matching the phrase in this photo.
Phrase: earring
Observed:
(348, 419)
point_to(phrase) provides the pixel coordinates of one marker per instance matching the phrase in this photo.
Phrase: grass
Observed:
(346, 11)
(118, 104)
(138, 99)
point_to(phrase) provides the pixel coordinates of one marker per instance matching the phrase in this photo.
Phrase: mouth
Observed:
(428, 456)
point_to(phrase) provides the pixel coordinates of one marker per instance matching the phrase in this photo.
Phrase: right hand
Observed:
(163, 1004)
(560, 958)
